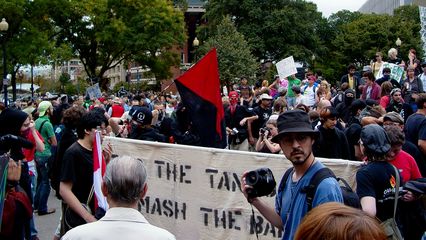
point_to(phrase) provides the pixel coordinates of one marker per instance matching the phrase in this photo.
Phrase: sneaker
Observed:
(49, 211)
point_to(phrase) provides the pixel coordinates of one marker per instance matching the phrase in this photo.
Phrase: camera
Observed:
(234, 131)
(263, 130)
(14, 144)
(262, 182)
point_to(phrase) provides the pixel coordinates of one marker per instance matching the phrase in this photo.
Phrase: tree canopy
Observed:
(234, 56)
(105, 33)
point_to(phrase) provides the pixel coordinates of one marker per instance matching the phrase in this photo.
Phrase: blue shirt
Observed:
(291, 204)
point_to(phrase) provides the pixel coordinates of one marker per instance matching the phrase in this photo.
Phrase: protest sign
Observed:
(286, 67)
(397, 72)
(94, 91)
(195, 193)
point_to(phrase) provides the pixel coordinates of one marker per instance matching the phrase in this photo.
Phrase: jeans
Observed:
(291, 102)
(33, 177)
(43, 185)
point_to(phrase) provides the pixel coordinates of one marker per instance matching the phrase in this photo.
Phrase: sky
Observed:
(328, 7)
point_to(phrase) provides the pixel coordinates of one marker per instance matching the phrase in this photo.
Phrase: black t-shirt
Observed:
(332, 143)
(415, 128)
(377, 179)
(353, 134)
(233, 120)
(147, 134)
(77, 167)
(263, 116)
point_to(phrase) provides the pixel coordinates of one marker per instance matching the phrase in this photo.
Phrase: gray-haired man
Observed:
(124, 185)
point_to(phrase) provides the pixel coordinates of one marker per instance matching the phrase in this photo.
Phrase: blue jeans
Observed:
(43, 185)
(291, 102)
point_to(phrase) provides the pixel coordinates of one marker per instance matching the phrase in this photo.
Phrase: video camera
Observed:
(262, 182)
(14, 144)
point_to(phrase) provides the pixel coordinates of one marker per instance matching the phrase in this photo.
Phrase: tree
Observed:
(105, 33)
(26, 40)
(275, 29)
(64, 79)
(234, 56)
(355, 38)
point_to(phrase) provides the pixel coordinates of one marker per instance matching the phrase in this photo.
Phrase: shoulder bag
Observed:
(391, 228)
(72, 219)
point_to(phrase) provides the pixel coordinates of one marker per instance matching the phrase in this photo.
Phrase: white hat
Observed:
(265, 96)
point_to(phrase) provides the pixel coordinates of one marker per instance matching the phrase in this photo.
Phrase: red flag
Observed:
(199, 88)
(99, 167)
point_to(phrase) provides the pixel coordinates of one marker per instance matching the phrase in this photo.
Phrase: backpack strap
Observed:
(310, 190)
(284, 179)
(41, 126)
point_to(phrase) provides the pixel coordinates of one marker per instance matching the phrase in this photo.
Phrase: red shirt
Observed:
(29, 153)
(117, 111)
(407, 166)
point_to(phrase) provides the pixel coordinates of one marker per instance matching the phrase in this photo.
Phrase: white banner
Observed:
(286, 67)
(195, 193)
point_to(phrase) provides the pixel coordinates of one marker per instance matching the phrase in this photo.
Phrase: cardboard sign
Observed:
(286, 67)
(195, 193)
(94, 91)
(397, 72)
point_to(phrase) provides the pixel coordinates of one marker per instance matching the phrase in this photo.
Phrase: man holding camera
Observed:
(296, 138)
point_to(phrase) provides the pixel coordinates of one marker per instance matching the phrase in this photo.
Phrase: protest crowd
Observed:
(369, 117)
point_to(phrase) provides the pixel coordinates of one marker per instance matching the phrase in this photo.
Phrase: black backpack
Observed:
(350, 198)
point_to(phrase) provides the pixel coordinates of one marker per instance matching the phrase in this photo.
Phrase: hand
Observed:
(243, 121)
(244, 188)
(251, 141)
(107, 152)
(91, 219)
(409, 197)
(14, 170)
(32, 125)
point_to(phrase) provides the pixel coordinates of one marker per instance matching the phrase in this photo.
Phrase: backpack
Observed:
(350, 198)
(307, 85)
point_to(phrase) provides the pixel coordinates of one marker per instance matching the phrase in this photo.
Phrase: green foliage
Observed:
(64, 79)
(70, 89)
(353, 37)
(234, 57)
(275, 29)
(104, 33)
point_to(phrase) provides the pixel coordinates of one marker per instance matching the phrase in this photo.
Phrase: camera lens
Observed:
(252, 178)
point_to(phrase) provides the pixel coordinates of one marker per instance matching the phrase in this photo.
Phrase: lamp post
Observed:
(195, 44)
(313, 61)
(3, 28)
(398, 43)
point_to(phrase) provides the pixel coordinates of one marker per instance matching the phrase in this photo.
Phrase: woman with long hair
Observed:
(385, 90)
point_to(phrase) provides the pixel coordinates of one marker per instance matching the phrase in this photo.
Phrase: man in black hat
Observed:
(296, 138)
(142, 128)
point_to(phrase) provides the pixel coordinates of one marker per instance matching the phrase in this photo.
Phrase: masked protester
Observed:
(387, 78)
(343, 107)
(236, 117)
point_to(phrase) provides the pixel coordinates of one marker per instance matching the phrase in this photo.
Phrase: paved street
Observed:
(46, 225)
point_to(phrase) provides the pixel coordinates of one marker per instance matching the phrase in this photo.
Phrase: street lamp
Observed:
(398, 43)
(3, 28)
(313, 61)
(195, 44)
